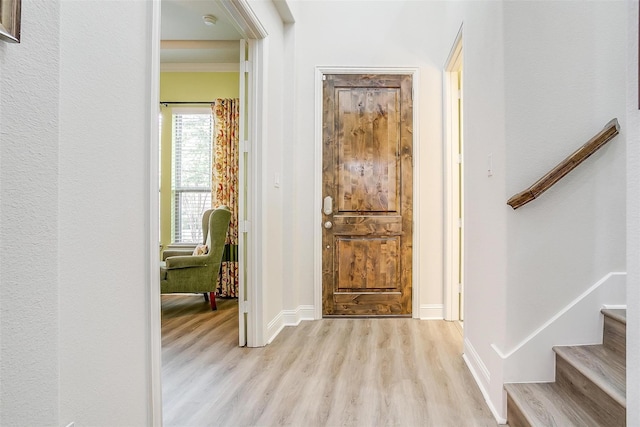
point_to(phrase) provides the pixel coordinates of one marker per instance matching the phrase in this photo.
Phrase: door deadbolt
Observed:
(327, 206)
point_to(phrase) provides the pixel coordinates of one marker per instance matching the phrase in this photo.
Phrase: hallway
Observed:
(332, 372)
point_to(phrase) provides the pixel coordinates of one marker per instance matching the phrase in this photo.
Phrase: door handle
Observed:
(327, 206)
(328, 225)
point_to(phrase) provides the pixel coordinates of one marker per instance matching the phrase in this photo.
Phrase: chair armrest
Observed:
(176, 252)
(175, 262)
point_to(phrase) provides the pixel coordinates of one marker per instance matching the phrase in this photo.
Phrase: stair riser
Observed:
(600, 404)
(514, 415)
(615, 335)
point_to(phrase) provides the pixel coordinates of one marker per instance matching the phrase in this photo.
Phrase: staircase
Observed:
(590, 386)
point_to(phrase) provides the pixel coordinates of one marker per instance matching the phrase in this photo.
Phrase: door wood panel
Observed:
(368, 173)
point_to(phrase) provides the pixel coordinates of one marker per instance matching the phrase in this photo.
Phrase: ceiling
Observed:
(187, 40)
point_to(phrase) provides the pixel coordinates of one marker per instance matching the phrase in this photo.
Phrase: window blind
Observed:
(191, 177)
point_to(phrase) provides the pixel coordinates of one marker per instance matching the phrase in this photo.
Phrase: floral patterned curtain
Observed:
(226, 113)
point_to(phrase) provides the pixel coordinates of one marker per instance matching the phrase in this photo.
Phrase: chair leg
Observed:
(206, 296)
(212, 299)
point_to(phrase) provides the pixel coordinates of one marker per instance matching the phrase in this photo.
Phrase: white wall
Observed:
(562, 87)
(633, 217)
(291, 296)
(485, 211)
(29, 291)
(73, 183)
(103, 186)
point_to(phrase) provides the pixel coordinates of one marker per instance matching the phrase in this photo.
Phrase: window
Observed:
(192, 156)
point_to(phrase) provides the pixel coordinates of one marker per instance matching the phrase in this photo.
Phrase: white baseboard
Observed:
(274, 327)
(475, 364)
(431, 311)
(294, 317)
(289, 318)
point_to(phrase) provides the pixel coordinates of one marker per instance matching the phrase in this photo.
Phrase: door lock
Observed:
(327, 207)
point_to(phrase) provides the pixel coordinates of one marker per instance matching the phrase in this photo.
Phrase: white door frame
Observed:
(254, 223)
(243, 157)
(451, 116)
(250, 293)
(317, 204)
(154, 346)
(249, 26)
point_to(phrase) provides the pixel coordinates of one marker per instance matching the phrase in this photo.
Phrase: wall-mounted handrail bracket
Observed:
(610, 130)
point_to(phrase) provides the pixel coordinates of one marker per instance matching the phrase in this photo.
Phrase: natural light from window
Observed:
(191, 174)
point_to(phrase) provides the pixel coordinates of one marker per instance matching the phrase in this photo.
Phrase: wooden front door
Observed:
(367, 211)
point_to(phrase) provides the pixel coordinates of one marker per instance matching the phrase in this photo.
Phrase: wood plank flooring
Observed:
(331, 372)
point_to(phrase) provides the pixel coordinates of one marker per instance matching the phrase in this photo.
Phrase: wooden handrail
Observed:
(610, 130)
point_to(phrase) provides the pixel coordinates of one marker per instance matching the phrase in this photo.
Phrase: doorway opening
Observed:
(200, 98)
(454, 184)
(240, 53)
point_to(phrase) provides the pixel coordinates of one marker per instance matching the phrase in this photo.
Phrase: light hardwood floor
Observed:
(331, 372)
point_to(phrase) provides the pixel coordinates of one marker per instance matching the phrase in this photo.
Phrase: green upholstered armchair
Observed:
(198, 273)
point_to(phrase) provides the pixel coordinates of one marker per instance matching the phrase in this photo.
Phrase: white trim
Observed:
(496, 414)
(284, 10)
(477, 361)
(198, 44)
(472, 363)
(451, 120)
(199, 67)
(317, 204)
(546, 324)
(275, 327)
(243, 174)
(415, 261)
(614, 306)
(451, 63)
(243, 18)
(289, 318)
(256, 245)
(534, 352)
(431, 311)
(153, 289)
(294, 317)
